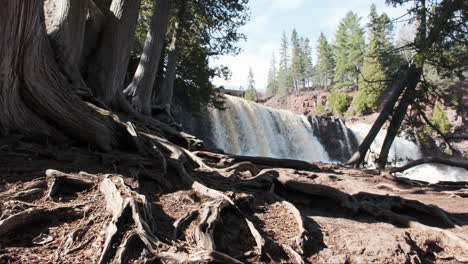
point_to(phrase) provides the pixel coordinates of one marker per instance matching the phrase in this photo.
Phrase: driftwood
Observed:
(461, 163)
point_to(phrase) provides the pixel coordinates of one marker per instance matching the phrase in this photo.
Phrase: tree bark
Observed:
(107, 67)
(94, 24)
(164, 96)
(66, 28)
(397, 119)
(35, 97)
(141, 87)
(461, 163)
(412, 74)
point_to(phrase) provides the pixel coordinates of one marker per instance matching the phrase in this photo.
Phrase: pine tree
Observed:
(349, 50)
(284, 76)
(440, 121)
(295, 60)
(381, 32)
(324, 69)
(378, 63)
(272, 83)
(307, 63)
(251, 92)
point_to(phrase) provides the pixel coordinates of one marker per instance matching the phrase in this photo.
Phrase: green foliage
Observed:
(284, 75)
(272, 83)
(251, 92)
(440, 121)
(372, 83)
(320, 109)
(338, 102)
(324, 70)
(208, 28)
(380, 37)
(349, 49)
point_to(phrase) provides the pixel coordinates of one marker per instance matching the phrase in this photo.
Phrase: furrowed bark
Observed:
(35, 97)
(107, 67)
(163, 99)
(66, 29)
(141, 87)
(94, 24)
(411, 75)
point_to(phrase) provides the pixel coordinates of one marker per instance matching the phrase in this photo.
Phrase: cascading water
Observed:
(248, 128)
(404, 150)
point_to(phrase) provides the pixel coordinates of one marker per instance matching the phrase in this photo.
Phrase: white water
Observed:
(404, 150)
(248, 128)
(253, 129)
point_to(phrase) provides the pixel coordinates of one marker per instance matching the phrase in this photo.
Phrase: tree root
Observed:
(265, 161)
(63, 183)
(36, 214)
(129, 220)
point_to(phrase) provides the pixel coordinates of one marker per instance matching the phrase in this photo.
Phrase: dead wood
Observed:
(461, 163)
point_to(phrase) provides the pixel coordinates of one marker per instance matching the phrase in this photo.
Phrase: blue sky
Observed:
(269, 18)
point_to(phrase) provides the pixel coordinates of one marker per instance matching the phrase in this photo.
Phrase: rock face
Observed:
(304, 103)
(338, 140)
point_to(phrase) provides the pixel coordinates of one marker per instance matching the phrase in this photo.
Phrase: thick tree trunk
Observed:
(35, 97)
(397, 119)
(411, 75)
(66, 21)
(141, 87)
(107, 67)
(94, 23)
(164, 97)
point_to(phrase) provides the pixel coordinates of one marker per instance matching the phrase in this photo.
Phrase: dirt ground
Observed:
(63, 204)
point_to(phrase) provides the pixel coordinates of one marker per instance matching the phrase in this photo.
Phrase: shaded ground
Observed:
(51, 211)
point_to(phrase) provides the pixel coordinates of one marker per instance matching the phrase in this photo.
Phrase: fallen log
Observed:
(460, 163)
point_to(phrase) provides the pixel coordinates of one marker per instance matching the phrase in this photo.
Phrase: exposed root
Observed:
(130, 216)
(63, 183)
(209, 216)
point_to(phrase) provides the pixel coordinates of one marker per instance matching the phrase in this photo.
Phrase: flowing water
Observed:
(249, 128)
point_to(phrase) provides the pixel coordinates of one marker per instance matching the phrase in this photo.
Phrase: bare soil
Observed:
(249, 214)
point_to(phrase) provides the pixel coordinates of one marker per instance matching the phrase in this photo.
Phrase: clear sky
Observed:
(269, 18)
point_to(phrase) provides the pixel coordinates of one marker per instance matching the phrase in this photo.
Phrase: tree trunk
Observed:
(141, 87)
(461, 163)
(411, 75)
(94, 24)
(35, 97)
(166, 91)
(66, 20)
(397, 119)
(107, 67)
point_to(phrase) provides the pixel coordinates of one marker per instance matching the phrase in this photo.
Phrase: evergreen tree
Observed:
(440, 121)
(295, 60)
(372, 81)
(284, 76)
(307, 62)
(251, 92)
(349, 50)
(324, 69)
(381, 32)
(272, 83)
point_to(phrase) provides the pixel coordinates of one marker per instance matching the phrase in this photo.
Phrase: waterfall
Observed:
(248, 128)
(402, 151)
